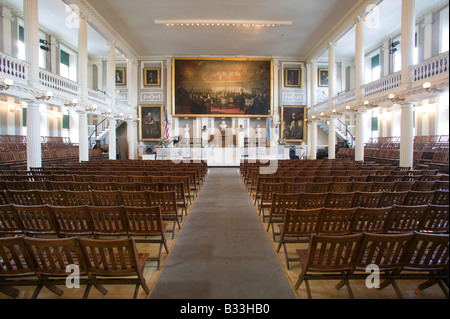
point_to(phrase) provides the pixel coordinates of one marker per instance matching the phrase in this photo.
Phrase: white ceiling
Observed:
(134, 21)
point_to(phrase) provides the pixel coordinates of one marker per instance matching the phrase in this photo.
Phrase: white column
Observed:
(84, 137)
(359, 58)
(407, 39)
(44, 126)
(11, 117)
(74, 126)
(54, 47)
(386, 57)
(331, 74)
(6, 30)
(169, 97)
(359, 138)
(31, 29)
(313, 87)
(112, 140)
(111, 75)
(132, 83)
(132, 140)
(276, 76)
(428, 36)
(83, 57)
(313, 154)
(332, 139)
(99, 75)
(407, 135)
(34, 147)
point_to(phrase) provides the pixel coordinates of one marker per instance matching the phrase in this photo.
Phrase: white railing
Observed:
(13, 67)
(344, 98)
(387, 83)
(98, 96)
(58, 83)
(431, 67)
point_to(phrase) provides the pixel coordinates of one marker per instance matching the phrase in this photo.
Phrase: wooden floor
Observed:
(320, 289)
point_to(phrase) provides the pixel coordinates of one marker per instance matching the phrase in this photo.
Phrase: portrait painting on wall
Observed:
(152, 77)
(293, 128)
(292, 78)
(121, 76)
(150, 125)
(222, 87)
(323, 77)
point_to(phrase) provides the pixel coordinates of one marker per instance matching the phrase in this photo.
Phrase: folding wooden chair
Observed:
(312, 200)
(36, 220)
(362, 186)
(367, 199)
(268, 189)
(134, 198)
(25, 197)
(383, 187)
(297, 228)
(107, 221)
(318, 187)
(114, 262)
(295, 187)
(340, 200)
(178, 188)
(16, 268)
(72, 221)
(404, 219)
(435, 220)
(102, 186)
(441, 186)
(404, 186)
(441, 197)
(106, 198)
(167, 201)
(335, 221)
(390, 199)
(416, 198)
(54, 198)
(341, 187)
(280, 203)
(10, 223)
(79, 198)
(4, 198)
(328, 257)
(370, 220)
(147, 222)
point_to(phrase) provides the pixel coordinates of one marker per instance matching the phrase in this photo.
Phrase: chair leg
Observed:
(36, 292)
(10, 291)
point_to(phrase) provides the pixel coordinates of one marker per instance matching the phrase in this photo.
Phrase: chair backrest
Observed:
(72, 220)
(334, 221)
(54, 198)
(268, 189)
(340, 200)
(405, 218)
(370, 219)
(312, 200)
(143, 221)
(167, 201)
(441, 186)
(319, 187)
(441, 197)
(110, 257)
(106, 198)
(10, 223)
(59, 185)
(153, 187)
(362, 186)
(390, 199)
(80, 186)
(36, 220)
(387, 251)
(26, 197)
(295, 187)
(402, 186)
(383, 187)
(336, 253)
(102, 186)
(125, 186)
(424, 186)
(368, 199)
(301, 222)
(136, 198)
(283, 201)
(78, 198)
(177, 187)
(428, 252)
(4, 198)
(415, 198)
(343, 187)
(435, 219)
(51, 257)
(14, 257)
(108, 220)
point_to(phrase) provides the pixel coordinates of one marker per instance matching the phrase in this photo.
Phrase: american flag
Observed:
(166, 126)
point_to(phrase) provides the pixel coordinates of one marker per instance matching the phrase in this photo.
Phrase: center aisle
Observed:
(223, 251)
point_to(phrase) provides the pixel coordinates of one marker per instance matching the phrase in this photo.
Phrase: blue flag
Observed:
(268, 129)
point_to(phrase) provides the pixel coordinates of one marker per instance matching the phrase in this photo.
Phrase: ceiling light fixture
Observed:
(72, 104)
(395, 99)
(349, 109)
(369, 105)
(429, 89)
(224, 23)
(45, 97)
(7, 83)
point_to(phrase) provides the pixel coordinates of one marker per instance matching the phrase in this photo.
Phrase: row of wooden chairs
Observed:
(166, 200)
(411, 256)
(299, 224)
(281, 202)
(44, 263)
(145, 224)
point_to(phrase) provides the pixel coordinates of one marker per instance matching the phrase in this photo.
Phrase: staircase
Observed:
(342, 132)
(100, 132)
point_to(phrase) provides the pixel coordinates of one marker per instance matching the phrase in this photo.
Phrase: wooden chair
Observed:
(102, 186)
(390, 199)
(187, 188)
(114, 262)
(27, 197)
(362, 186)
(312, 200)
(72, 221)
(16, 268)
(135, 198)
(178, 188)
(387, 251)
(435, 219)
(335, 221)
(153, 187)
(441, 186)
(259, 185)
(107, 221)
(367, 199)
(383, 187)
(376, 178)
(78, 198)
(15, 185)
(280, 203)
(125, 186)
(147, 222)
(370, 220)
(295, 187)
(318, 187)
(340, 200)
(268, 189)
(38, 185)
(106, 198)
(50, 259)
(80, 186)
(440, 198)
(167, 201)
(10, 224)
(422, 186)
(36, 220)
(428, 258)
(343, 187)
(54, 198)
(404, 186)
(404, 219)
(59, 186)
(328, 257)
(416, 198)
(4, 198)
(298, 226)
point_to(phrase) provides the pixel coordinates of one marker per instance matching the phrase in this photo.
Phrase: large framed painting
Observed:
(151, 123)
(121, 76)
(292, 78)
(152, 77)
(293, 128)
(222, 87)
(323, 77)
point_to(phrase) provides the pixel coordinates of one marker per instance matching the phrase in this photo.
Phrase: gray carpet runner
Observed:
(222, 251)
